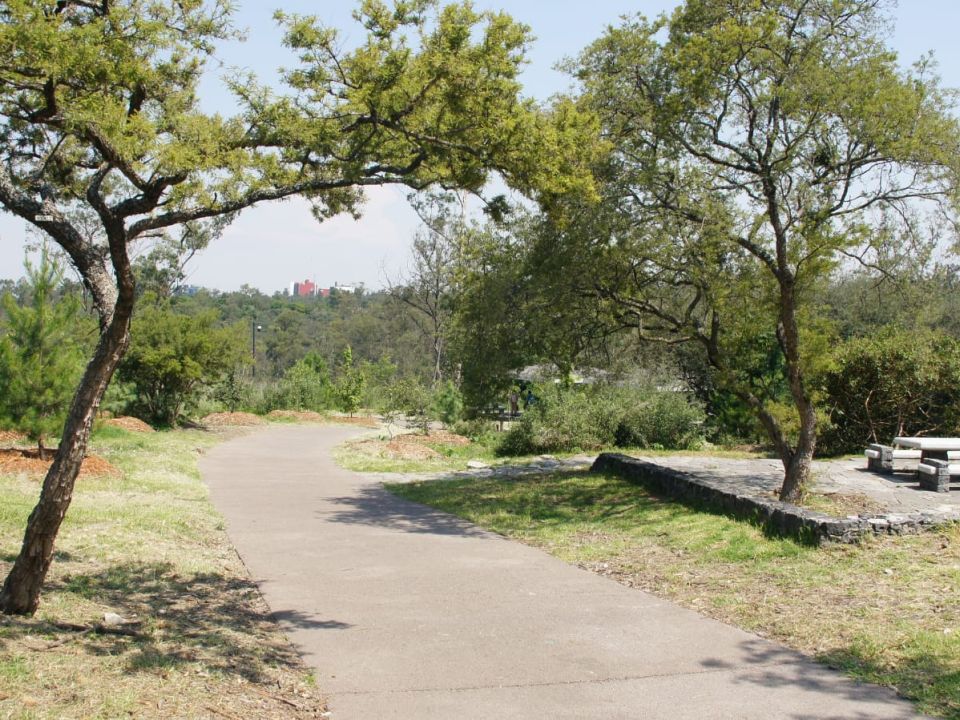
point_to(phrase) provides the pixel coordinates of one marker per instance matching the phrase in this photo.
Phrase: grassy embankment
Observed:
(149, 546)
(887, 611)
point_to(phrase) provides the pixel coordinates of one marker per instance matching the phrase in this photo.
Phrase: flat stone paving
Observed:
(898, 493)
(409, 613)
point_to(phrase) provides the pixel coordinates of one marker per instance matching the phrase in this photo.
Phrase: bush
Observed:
(173, 358)
(410, 397)
(592, 418)
(894, 383)
(666, 420)
(477, 429)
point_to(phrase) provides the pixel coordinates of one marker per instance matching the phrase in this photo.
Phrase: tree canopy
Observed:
(105, 146)
(759, 144)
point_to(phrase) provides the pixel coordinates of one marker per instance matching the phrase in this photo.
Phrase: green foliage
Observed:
(592, 418)
(447, 403)
(895, 382)
(173, 357)
(234, 391)
(412, 398)
(665, 420)
(380, 376)
(757, 146)
(305, 386)
(349, 384)
(40, 357)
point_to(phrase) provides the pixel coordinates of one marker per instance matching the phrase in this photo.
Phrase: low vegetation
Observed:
(149, 547)
(884, 612)
(606, 416)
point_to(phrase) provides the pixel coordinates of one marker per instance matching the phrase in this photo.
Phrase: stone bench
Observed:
(935, 474)
(881, 457)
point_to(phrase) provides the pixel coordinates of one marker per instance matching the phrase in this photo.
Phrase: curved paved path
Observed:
(410, 613)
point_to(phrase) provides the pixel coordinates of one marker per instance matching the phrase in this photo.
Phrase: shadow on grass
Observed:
(773, 667)
(923, 675)
(554, 498)
(211, 622)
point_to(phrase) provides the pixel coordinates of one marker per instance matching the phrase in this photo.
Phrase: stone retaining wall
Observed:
(777, 517)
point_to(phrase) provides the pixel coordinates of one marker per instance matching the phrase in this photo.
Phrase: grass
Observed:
(887, 611)
(150, 547)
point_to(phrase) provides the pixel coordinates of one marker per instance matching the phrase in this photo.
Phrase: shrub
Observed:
(591, 418)
(666, 420)
(410, 397)
(893, 383)
(173, 357)
(305, 386)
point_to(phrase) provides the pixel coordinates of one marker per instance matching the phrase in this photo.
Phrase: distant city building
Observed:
(307, 288)
(303, 289)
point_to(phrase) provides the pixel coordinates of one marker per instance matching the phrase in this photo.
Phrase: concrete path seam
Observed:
(562, 683)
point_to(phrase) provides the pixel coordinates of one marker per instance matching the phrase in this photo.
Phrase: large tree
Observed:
(103, 144)
(759, 143)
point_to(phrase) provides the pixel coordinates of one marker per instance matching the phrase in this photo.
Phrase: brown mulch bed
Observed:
(129, 423)
(14, 461)
(226, 419)
(400, 450)
(436, 437)
(298, 415)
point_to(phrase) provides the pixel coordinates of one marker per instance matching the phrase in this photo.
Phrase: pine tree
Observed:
(40, 360)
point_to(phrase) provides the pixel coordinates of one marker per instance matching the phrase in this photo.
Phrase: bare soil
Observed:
(231, 418)
(11, 436)
(17, 461)
(129, 423)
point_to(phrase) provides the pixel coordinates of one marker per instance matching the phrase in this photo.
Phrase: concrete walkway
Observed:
(410, 613)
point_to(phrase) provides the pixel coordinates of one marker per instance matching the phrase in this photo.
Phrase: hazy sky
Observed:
(272, 245)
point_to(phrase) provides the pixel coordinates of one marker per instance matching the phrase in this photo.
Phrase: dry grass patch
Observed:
(886, 611)
(842, 504)
(297, 416)
(148, 546)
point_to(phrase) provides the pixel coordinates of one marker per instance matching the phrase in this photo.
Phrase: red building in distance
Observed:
(303, 289)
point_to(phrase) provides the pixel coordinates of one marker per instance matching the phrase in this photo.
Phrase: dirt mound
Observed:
(28, 462)
(11, 436)
(367, 421)
(129, 423)
(437, 437)
(226, 419)
(298, 415)
(400, 450)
